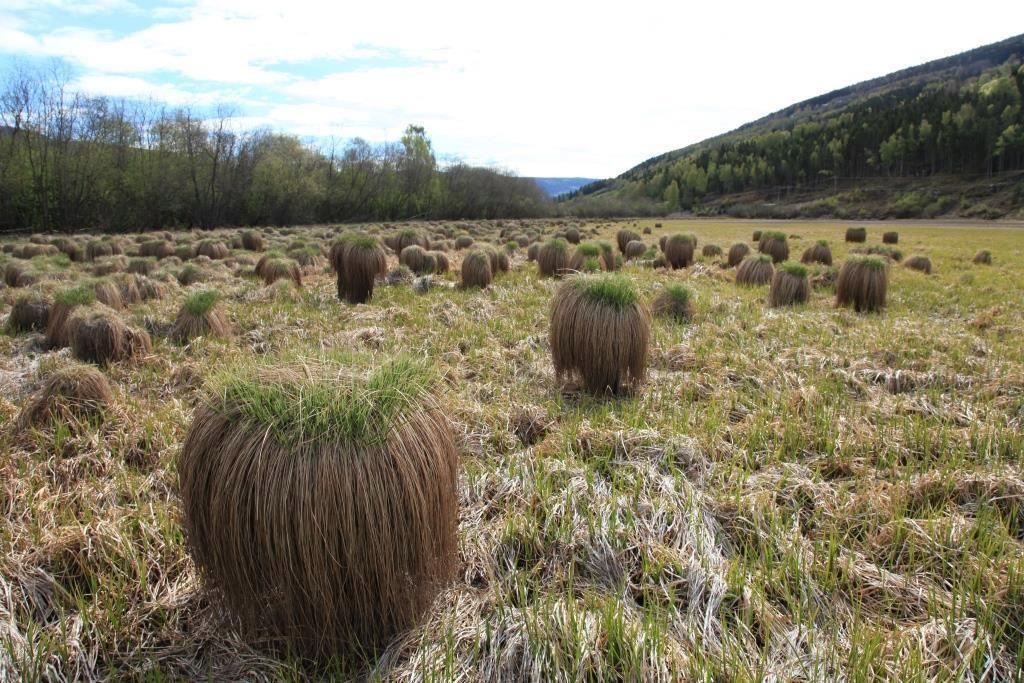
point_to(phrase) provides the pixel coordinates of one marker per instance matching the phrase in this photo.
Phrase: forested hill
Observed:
(917, 142)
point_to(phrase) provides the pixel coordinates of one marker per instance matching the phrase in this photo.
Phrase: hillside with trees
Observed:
(943, 138)
(71, 162)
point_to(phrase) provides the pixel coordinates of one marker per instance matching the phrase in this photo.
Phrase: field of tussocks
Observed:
(798, 493)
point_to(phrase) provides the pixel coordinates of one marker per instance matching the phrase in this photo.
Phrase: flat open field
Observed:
(801, 493)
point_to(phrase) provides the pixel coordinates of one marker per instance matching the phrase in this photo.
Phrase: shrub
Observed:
(775, 245)
(441, 263)
(252, 241)
(275, 269)
(856, 235)
(322, 506)
(200, 315)
(755, 270)
(862, 283)
(158, 249)
(737, 253)
(790, 286)
(819, 252)
(919, 263)
(553, 258)
(679, 250)
(600, 332)
(674, 301)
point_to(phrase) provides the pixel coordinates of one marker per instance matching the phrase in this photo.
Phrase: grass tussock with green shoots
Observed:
(600, 333)
(674, 301)
(863, 284)
(790, 286)
(292, 473)
(800, 493)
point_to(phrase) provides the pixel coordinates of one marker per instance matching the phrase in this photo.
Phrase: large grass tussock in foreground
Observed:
(321, 506)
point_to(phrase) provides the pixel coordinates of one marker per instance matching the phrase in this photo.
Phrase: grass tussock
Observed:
(675, 301)
(755, 270)
(862, 284)
(600, 333)
(69, 394)
(357, 483)
(790, 286)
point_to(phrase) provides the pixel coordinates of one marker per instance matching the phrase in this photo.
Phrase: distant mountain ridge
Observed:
(958, 117)
(554, 187)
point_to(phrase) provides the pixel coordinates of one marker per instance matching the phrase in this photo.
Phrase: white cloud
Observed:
(546, 88)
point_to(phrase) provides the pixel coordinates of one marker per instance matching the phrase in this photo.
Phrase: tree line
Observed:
(969, 127)
(70, 161)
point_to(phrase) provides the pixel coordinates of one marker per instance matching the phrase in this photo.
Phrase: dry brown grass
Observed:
(856, 235)
(624, 237)
(678, 250)
(553, 258)
(775, 245)
(819, 252)
(790, 286)
(29, 313)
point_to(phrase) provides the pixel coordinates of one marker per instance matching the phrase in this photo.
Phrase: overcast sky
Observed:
(551, 88)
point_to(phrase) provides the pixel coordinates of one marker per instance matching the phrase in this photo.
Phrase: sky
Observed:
(555, 88)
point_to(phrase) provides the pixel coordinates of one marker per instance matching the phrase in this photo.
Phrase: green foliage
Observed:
(681, 294)
(557, 243)
(793, 268)
(200, 303)
(323, 406)
(942, 122)
(610, 290)
(82, 295)
(78, 178)
(589, 250)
